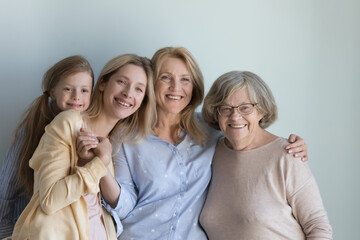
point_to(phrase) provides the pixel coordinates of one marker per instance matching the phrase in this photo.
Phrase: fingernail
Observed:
(290, 151)
(287, 147)
(296, 155)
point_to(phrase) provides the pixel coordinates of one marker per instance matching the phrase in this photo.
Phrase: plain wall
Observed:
(307, 51)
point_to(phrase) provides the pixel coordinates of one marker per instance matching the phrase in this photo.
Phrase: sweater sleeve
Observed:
(128, 192)
(60, 182)
(305, 200)
(12, 200)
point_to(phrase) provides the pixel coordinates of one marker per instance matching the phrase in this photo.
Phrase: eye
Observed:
(139, 90)
(84, 90)
(67, 89)
(244, 108)
(122, 82)
(165, 78)
(225, 110)
(185, 79)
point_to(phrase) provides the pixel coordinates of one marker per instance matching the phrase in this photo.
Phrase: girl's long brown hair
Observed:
(40, 114)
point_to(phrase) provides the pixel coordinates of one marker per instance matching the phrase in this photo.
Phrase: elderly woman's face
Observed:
(239, 129)
(174, 86)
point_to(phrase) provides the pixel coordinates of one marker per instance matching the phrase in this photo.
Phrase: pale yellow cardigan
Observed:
(58, 210)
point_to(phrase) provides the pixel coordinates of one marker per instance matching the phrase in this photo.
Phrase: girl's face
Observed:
(124, 91)
(73, 92)
(174, 86)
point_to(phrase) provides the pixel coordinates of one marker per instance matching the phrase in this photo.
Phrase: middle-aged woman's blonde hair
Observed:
(227, 84)
(187, 118)
(140, 123)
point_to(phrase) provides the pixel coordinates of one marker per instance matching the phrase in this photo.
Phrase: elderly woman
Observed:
(258, 191)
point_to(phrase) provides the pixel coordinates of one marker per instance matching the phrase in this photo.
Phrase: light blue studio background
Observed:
(307, 51)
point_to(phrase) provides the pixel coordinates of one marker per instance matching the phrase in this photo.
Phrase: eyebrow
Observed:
(182, 75)
(140, 83)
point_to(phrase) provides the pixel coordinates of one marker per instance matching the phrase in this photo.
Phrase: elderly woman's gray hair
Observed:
(227, 84)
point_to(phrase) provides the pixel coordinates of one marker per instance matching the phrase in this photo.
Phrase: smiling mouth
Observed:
(172, 97)
(73, 105)
(122, 103)
(237, 126)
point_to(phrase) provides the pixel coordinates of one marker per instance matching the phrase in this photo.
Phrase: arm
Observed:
(306, 203)
(60, 182)
(298, 147)
(86, 142)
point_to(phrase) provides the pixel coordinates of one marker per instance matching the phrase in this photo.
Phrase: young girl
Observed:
(65, 203)
(66, 85)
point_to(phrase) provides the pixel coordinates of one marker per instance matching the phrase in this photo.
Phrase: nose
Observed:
(235, 114)
(174, 85)
(126, 92)
(76, 95)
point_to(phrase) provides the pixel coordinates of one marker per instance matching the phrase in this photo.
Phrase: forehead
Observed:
(79, 78)
(239, 96)
(132, 73)
(174, 65)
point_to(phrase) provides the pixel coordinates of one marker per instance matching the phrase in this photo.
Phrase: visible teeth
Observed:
(124, 104)
(174, 97)
(237, 126)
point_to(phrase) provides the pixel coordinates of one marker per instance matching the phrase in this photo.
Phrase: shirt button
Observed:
(172, 228)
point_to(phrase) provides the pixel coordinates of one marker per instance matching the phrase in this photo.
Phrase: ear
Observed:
(52, 94)
(102, 85)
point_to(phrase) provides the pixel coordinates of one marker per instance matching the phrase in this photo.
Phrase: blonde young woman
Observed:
(257, 191)
(66, 203)
(66, 85)
(162, 180)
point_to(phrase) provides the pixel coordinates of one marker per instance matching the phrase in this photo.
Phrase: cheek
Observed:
(222, 125)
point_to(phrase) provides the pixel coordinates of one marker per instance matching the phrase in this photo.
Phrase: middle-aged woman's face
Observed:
(124, 91)
(237, 128)
(174, 86)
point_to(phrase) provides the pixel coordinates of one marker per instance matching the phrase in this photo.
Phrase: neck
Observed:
(168, 127)
(101, 125)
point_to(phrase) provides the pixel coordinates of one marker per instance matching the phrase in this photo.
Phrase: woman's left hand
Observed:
(298, 147)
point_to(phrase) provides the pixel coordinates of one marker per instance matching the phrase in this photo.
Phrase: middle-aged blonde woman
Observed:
(163, 179)
(66, 204)
(257, 191)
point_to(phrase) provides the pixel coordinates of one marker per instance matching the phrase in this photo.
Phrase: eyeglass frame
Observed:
(237, 107)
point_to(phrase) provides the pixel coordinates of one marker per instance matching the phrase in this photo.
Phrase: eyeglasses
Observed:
(242, 109)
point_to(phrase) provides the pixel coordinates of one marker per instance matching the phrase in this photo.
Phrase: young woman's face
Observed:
(174, 86)
(124, 91)
(73, 92)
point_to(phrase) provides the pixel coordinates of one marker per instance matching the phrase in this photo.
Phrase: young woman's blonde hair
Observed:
(227, 84)
(41, 113)
(140, 123)
(188, 122)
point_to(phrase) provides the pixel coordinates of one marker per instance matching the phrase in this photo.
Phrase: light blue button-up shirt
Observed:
(163, 188)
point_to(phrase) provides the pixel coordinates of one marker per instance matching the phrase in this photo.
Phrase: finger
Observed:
(301, 148)
(299, 154)
(292, 138)
(300, 143)
(84, 132)
(305, 158)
